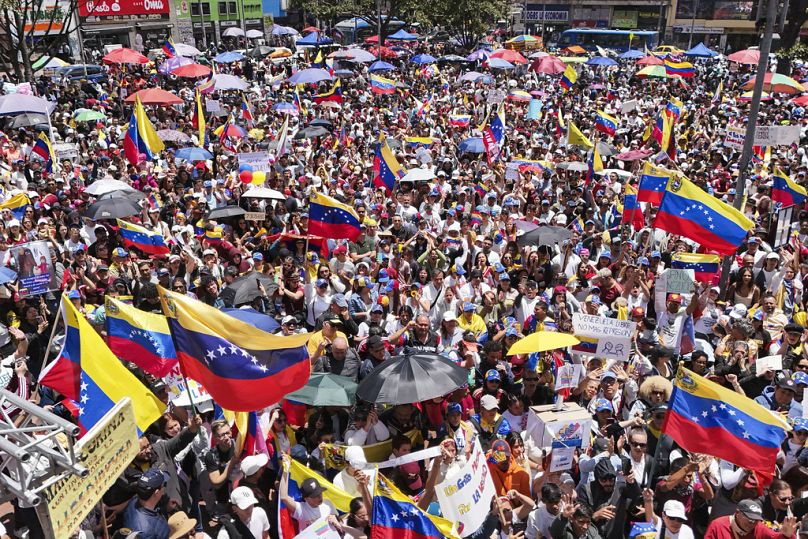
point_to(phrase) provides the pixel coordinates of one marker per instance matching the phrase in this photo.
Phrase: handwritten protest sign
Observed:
(680, 281)
(568, 376)
(259, 161)
(588, 325)
(465, 497)
(614, 348)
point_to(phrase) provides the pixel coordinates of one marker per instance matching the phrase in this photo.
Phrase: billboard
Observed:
(124, 9)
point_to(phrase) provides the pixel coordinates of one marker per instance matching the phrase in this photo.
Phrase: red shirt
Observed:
(720, 529)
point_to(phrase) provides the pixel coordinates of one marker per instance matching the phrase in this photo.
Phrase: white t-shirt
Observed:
(685, 532)
(258, 523)
(306, 514)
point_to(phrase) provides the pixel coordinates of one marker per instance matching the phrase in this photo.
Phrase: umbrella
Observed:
(778, 83)
(403, 35)
(310, 75)
(606, 150)
(285, 108)
(255, 34)
(311, 132)
(619, 171)
(361, 56)
(472, 145)
(573, 166)
(154, 96)
(542, 341)
(652, 71)
(574, 49)
(341, 54)
(634, 155)
(386, 52)
(230, 130)
(380, 66)
(12, 104)
(259, 51)
(601, 61)
(278, 30)
(131, 195)
(418, 175)
(193, 154)
(254, 318)
(632, 54)
(521, 40)
(183, 49)
(102, 187)
(452, 58)
(244, 289)
(800, 101)
(225, 212)
(650, 60)
(326, 389)
(549, 65)
(508, 55)
(264, 192)
(519, 95)
(28, 119)
(228, 57)
(112, 208)
(233, 32)
(313, 40)
(48, 63)
(747, 56)
(700, 51)
(124, 56)
(538, 54)
(222, 81)
(7, 275)
(479, 54)
(423, 59)
(746, 97)
(321, 122)
(310, 29)
(544, 235)
(411, 378)
(499, 63)
(172, 135)
(192, 71)
(173, 63)
(471, 76)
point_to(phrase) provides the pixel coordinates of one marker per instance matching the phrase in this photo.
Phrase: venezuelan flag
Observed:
(642, 530)
(568, 78)
(86, 371)
(688, 211)
(652, 184)
(298, 102)
(605, 123)
(494, 136)
(142, 239)
(168, 49)
(460, 120)
(381, 85)
(476, 218)
(705, 267)
(595, 164)
(420, 142)
(247, 110)
(334, 95)
(531, 165)
(154, 201)
(386, 168)
(632, 212)
(481, 190)
(578, 225)
(683, 69)
(141, 138)
(704, 417)
(213, 235)
(243, 368)
(395, 516)
(16, 204)
(785, 190)
(198, 121)
(586, 346)
(140, 337)
(674, 108)
(329, 218)
(42, 147)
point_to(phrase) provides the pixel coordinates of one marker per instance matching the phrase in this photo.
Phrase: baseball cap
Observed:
(608, 374)
(468, 307)
(492, 375)
(449, 316)
(288, 318)
(340, 249)
(738, 312)
(383, 276)
(489, 402)
(638, 312)
(751, 509)
(207, 252)
(340, 300)
(603, 405)
(355, 456)
(253, 463)
(320, 283)
(676, 298)
(674, 509)
(800, 378)
(773, 256)
(412, 468)
(151, 479)
(454, 408)
(309, 488)
(74, 294)
(801, 423)
(787, 384)
(377, 308)
(258, 256)
(511, 332)
(243, 497)
(500, 451)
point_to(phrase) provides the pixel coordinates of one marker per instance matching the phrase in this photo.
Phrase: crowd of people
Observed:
(438, 268)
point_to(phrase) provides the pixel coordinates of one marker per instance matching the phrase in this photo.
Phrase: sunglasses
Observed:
(639, 445)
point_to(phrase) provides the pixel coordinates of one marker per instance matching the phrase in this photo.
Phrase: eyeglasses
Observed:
(801, 366)
(639, 445)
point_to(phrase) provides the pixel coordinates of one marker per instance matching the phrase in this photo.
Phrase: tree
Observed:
(796, 17)
(468, 20)
(34, 28)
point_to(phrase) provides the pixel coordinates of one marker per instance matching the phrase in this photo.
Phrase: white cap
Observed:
(738, 312)
(253, 463)
(242, 497)
(449, 316)
(454, 227)
(674, 509)
(560, 219)
(355, 456)
(207, 252)
(773, 256)
(489, 402)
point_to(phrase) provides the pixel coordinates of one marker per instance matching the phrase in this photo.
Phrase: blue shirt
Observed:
(150, 524)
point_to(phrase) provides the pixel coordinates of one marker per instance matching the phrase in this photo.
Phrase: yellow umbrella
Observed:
(541, 341)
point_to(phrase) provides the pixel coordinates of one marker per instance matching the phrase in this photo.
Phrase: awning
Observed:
(104, 29)
(154, 25)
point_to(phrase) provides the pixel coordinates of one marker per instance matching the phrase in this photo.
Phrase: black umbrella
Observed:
(544, 235)
(411, 378)
(134, 196)
(28, 119)
(311, 132)
(225, 212)
(321, 122)
(245, 288)
(260, 51)
(112, 208)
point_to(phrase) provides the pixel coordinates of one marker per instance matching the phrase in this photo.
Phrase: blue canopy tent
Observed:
(313, 40)
(701, 51)
(633, 54)
(403, 35)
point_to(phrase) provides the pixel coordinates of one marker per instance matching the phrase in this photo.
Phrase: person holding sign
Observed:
(671, 323)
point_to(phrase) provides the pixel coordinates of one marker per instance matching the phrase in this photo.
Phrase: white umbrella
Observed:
(183, 49)
(102, 187)
(19, 103)
(418, 175)
(360, 56)
(253, 34)
(233, 32)
(222, 81)
(264, 192)
(619, 171)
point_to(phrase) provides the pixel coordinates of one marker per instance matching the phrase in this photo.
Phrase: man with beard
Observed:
(608, 500)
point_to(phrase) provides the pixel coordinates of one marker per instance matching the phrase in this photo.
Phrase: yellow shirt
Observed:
(317, 338)
(475, 325)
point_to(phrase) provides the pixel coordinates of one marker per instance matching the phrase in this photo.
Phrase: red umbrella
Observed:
(387, 52)
(309, 29)
(800, 101)
(747, 56)
(549, 65)
(154, 96)
(124, 56)
(375, 39)
(651, 60)
(634, 155)
(509, 55)
(192, 71)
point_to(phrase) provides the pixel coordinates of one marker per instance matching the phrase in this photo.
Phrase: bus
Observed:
(616, 40)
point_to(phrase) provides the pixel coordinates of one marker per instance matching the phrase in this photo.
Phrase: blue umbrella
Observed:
(632, 54)
(311, 75)
(601, 61)
(193, 154)
(473, 145)
(425, 59)
(314, 39)
(7, 275)
(284, 107)
(380, 66)
(403, 35)
(228, 57)
(254, 318)
(701, 51)
(499, 63)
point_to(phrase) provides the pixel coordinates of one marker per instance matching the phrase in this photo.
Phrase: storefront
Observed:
(638, 18)
(556, 17)
(587, 16)
(125, 22)
(720, 24)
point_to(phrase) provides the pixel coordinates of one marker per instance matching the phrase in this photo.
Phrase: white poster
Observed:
(568, 376)
(735, 137)
(588, 325)
(465, 497)
(561, 459)
(319, 529)
(680, 281)
(616, 348)
(176, 387)
(257, 160)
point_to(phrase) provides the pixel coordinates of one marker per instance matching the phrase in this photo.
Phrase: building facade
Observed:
(131, 23)
(205, 21)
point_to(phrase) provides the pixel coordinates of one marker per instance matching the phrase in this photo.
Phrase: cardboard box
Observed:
(570, 425)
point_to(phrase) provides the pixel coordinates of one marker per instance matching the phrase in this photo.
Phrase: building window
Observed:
(195, 8)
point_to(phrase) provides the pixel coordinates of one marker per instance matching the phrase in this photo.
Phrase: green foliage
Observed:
(469, 20)
(796, 52)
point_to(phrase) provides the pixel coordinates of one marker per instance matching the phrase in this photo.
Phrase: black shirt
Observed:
(216, 460)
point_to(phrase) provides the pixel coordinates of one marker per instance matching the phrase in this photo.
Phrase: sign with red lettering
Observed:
(124, 9)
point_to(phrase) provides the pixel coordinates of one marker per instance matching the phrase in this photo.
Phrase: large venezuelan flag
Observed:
(683, 69)
(785, 190)
(243, 368)
(145, 240)
(705, 267)
(329, 218)
(381, 85)
(705, 417)
(688, 211)
(386, 168)
(395, 516)
(605, 123)
(140, 337)
(141, 138)
(652, 184)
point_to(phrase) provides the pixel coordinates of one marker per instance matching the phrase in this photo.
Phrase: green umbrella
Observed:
(90, 116)
(326, 389)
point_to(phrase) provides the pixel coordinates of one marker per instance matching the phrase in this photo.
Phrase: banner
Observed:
(334, 454)
(257, 160)
(465, 497)
(175, 385)
(106, 450)
(34, 268)
(124, 9)
(765, 135)
(588, 325)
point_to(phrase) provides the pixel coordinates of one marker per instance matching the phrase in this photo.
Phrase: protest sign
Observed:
(588, 325)
(680, 281)
(66, 150)
(465, 497)
(561, 459)
(106, 450)
(495, 96)
(257, 160)
(568, 376)
(769, 363)
(319, 529)
(615, 348)
(176, 387)
(34, 268)
(255, 216)
(212, 105)
(735, 137)
(628, 106)
(765, 135)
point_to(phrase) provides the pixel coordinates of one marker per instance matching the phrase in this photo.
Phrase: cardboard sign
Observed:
(561, 459)
(680, 281)
(495, 97)
(212, 105)
(614, 348)
(628, 106)
(319, 529)
(465, 497)
(257, 160)
(588, 325)
(769, 363)
(735, 137)
(568, 376)
(255, 216)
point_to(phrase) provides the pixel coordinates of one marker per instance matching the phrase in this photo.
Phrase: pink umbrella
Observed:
(548, 65)
(634, 155)
(509, 55)
(192, 71)
(747, 56)
(124, 56)
(800, 101)
(650, 60)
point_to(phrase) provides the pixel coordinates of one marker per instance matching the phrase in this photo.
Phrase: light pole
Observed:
(692, 25)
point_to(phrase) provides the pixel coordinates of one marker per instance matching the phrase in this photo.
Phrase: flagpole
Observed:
(52, 334)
